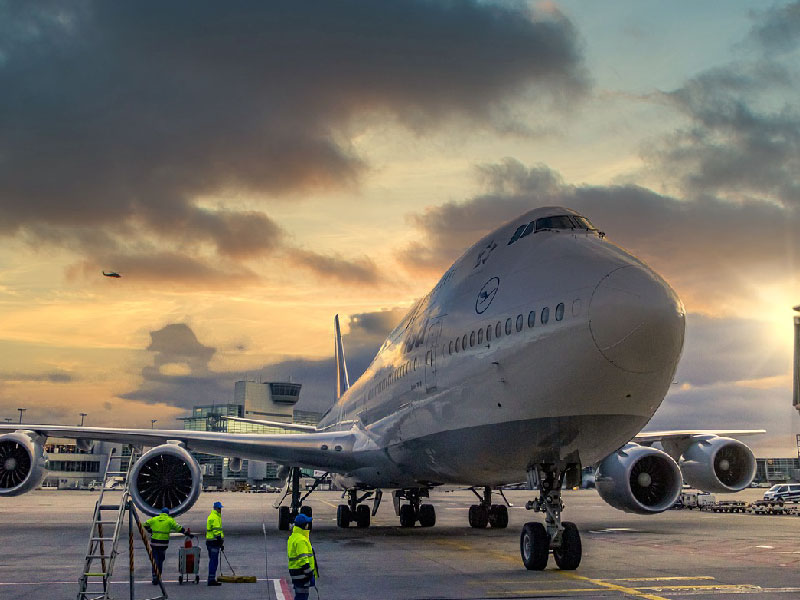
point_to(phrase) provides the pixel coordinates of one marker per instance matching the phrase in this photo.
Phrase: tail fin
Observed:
(342, 381)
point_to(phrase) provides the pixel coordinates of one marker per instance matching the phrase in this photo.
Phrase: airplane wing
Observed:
(649, 437)
(333, 451)
(290, 426)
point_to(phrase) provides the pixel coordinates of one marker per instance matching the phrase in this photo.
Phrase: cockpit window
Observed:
(559, 222)
(583, 223)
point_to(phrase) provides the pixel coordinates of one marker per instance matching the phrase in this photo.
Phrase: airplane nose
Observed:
(637, 321)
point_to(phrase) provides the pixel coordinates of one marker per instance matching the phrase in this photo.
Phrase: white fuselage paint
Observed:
(571, 390)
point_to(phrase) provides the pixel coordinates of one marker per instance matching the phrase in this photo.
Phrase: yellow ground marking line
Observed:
(721, 587)
(326, 502)
(611, 586)
(676, 578)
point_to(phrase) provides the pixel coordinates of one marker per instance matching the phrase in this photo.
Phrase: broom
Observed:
(234, 578)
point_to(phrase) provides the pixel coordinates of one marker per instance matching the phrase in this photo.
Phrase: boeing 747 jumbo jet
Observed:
(544, 348)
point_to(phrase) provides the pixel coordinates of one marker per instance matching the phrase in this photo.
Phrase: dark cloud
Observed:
(121, 116)
(54, 377)
(360, 270)
(707, 248)
(777, 29)
(195, 383)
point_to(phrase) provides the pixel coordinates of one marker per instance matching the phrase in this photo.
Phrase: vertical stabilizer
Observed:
(342, 381)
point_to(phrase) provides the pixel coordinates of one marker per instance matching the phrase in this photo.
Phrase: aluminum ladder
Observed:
(94, 583)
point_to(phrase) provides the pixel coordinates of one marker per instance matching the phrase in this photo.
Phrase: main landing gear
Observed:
(414, 511)
(356, 512)
(486, 513)
(562, 538)
(287, 514)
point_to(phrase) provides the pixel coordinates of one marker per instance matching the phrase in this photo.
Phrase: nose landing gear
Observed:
(563, 538)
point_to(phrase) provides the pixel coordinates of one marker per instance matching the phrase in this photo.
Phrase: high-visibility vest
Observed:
(301, 558)
(161, 526)
(214, 526)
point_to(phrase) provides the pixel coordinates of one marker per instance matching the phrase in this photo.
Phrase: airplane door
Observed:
(432, 342)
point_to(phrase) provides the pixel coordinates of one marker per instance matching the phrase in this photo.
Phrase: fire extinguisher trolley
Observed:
(189, 561)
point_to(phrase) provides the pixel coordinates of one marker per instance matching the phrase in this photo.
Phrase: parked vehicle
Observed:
(783, 491)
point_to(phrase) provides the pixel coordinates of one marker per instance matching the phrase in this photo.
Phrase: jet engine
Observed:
(165, 476)
(718, 464)
(22, 463)
(639, 479)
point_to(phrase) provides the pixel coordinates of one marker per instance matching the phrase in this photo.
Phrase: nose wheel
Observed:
(486, 513)
(563, 538)
(355, 512)
(414, 510)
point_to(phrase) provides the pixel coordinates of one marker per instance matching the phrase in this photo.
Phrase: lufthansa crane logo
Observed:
(487, 294)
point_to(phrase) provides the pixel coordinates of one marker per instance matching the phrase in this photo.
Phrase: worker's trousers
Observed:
(159, 552)
(213, 558)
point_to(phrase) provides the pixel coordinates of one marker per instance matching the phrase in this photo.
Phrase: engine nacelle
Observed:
(235, 464)
(639, 479)
(22, 463)
(718, 464)
(165, 476)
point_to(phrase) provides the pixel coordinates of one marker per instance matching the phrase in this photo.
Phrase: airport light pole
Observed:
(9, 419)
(21, 410)
(83, 416)
(153, 423)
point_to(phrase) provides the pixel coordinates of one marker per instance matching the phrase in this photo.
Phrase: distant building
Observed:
(777, 470)
(271, 401)
(74, 469)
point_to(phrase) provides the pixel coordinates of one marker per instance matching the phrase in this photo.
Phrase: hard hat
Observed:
(217, 504)
(165, 510)
(302, 519)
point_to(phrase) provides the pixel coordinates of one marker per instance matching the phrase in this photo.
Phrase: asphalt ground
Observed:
(44, 535)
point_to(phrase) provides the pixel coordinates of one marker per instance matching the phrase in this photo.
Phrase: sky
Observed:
(254, 169)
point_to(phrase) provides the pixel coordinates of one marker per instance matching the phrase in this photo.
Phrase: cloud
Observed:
(360, 270)
(121, 117)
(777, 29)
(709, 249)
(54, 377)
(179, 374)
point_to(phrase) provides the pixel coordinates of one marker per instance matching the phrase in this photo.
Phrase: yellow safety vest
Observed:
(301, 557)
(214, 526)
(161, 526)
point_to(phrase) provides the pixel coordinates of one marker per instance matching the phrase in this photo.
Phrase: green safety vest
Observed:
(161, 526)
(301, 557)
(214, 526)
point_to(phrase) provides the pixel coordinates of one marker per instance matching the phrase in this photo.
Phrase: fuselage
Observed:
(543, 343)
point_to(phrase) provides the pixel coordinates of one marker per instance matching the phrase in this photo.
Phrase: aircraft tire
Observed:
(478, 516)
(498, 516)
(343, 516)
(407, 516)
(427, 515)
(534, 546)
(284, 518)
(362, 516)
(568, 557)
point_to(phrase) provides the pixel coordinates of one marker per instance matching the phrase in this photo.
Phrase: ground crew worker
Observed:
(215, 541)
(160, 527)
(302, 563)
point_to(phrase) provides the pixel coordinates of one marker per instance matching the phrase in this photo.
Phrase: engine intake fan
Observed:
(22, 463)
(166, 476)
(639, 479)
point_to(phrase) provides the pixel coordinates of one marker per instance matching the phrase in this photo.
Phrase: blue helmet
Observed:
(217, 504)
(165, 510)
(302, 520)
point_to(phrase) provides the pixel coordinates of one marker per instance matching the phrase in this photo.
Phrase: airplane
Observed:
(112, 274)
(544, 348)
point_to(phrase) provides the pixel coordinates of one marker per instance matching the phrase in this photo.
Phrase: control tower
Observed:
(267, 401)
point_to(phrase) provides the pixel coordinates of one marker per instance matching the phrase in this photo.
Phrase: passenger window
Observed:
(520, 322)
(531, 318)
(480, 336)
(450, 348)
(428, 358)
(458, 344)
(508, 326)
(489, 333)
(415, 361)
(464, 342)
(559, 311)
(497, 331)
(545, 315)
(472, 339)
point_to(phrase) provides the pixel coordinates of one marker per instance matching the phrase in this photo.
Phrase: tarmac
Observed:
(44, 535)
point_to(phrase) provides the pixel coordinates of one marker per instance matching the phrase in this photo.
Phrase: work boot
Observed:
(214, 582)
